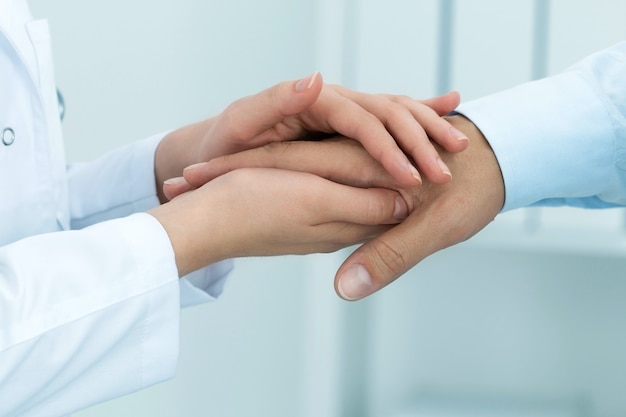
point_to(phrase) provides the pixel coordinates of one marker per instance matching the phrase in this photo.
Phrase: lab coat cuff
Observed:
(198, 287)
(542, 155)
(145, 187)
(204, 285)
(155, 262)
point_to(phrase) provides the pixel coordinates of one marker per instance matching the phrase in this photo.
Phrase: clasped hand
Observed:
(300, 197)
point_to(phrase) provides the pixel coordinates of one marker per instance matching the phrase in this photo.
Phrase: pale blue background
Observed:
(529, 318)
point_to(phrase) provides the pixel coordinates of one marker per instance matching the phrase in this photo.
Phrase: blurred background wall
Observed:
(526, 319)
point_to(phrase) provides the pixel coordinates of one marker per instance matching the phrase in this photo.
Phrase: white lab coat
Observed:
(85, 315)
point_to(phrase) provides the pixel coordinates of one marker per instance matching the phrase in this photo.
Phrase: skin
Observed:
(272, 212)
(263, 211)
(439, 215)
(297, 109)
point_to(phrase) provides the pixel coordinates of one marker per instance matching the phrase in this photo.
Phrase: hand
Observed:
(440, 215)
(258, 211)
(297, 109)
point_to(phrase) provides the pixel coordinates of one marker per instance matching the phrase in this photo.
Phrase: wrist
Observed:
(549, 146)
(185, 222)
(479, 164)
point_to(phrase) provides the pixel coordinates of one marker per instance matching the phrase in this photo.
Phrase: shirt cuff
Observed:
(553, 138)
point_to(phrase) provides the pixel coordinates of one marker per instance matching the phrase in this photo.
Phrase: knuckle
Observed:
(397, 114)
(347, 235)
(276, 98)
(399, 100)
(378, 210)
(388, 260)
(403, 99)
(277, 151)
(370, 119)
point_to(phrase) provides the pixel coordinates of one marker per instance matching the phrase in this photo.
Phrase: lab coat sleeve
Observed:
(561, 140)
(120, 183)
(86, 316)
(117, 184)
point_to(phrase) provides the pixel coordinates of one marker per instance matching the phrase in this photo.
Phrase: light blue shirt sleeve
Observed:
(561, 140)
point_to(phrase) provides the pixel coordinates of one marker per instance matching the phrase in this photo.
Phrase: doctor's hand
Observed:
(440, 215)
(261, 211)
(389, 127)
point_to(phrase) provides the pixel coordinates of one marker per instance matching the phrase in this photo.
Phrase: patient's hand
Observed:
(440, 215)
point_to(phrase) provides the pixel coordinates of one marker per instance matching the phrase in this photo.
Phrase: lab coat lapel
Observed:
(14, 17)
(30, 40)
(39, 34)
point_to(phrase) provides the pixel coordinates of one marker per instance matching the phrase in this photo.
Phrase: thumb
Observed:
(383, 259)
(257, 113)
(292, 97)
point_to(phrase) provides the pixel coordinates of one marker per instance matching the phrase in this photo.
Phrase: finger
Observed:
(445, 215)
(352, 120)
(331, 237)
(382, 260)
(342, 203)
(396, 114)
(415, 142)
(372, 206)
(174, 187)
(269, 107)
(340, 160)
(427, 118)
(437, 127)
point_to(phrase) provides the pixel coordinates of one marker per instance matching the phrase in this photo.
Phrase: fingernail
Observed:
(458, 134)
(194, 166)
(401, 210)
(306, 83)
(175, 181)
(414, 173)
(444, 167)
(355, 283)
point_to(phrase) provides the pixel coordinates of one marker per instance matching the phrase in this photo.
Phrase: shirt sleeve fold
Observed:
(561, 140)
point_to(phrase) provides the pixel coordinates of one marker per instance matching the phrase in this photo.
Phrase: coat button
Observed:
(8, 136)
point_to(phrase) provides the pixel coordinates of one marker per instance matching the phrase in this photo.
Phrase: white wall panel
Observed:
(129, 69)
(581, 27)
(498, 326)
(492, 44)
(394, 47)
